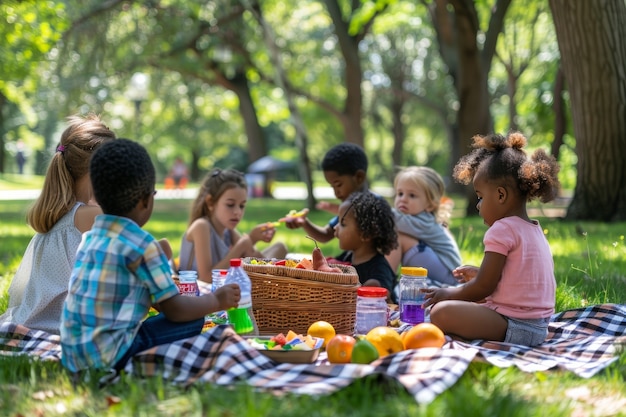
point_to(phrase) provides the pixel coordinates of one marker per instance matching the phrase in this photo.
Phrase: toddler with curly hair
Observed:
(367, 230)
(516, 277)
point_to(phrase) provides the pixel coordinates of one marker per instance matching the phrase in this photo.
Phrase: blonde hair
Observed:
(215, 183)
(69, 164)
(431, 182)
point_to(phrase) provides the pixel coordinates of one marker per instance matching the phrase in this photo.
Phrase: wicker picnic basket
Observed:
(286, 298)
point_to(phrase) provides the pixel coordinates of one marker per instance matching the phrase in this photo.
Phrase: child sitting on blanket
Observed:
(367, 231)
(423, 236)
(212, 239)
(121, 271)
(516, 277)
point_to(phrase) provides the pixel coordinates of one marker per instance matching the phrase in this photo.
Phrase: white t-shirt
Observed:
(40, 285)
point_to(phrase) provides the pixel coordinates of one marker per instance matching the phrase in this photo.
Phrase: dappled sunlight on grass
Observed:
(590, 268)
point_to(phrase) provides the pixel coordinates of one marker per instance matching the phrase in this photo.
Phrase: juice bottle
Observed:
(242, 316)
(411, 298)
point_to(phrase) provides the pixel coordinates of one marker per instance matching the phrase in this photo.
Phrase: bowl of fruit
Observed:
(290, 348)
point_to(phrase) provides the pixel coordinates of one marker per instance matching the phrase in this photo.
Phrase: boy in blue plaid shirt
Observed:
(121, 271)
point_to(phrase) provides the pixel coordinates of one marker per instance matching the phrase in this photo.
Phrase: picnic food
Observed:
(292, 214)
(280, 342)
(339, 348)
(364, 352)
(305, 264)
(423, 335)
(319, 261)
(322, 329)
(270, 225)
(386, 340)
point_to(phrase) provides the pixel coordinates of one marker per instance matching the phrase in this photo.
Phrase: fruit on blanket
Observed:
(423, 335)
(386, 340)
(364, 352)
(339, 348)
(322, 329)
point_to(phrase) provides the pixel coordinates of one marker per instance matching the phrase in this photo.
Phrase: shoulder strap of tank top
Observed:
(191, 256)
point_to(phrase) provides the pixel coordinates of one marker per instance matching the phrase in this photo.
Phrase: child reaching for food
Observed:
(211, 239)
(366, 229)
(423, 236)
(345, 170)
(121, 271)
(516, 277)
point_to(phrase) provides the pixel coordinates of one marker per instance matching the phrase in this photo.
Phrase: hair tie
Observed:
(61, 148)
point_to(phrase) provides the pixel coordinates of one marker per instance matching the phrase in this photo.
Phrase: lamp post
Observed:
(138, 92)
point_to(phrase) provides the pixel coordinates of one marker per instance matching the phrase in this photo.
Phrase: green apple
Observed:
(364, 351)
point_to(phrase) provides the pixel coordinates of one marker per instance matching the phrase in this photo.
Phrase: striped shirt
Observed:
(120, 271)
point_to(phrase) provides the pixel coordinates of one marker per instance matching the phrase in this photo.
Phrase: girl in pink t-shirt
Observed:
(516, 277)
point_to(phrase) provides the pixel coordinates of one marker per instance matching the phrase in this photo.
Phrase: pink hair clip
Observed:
(60, 148)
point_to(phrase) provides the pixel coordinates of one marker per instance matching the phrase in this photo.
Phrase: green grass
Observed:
(20, 182)
(590, 263)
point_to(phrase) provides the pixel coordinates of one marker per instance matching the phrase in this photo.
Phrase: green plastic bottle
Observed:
(242, 317)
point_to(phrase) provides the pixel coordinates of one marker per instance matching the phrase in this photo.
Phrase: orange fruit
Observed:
(423, 335)
(339, 348)
(386, 340)
(322, 329)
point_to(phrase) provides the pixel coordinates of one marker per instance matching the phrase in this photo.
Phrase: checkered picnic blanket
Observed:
(583, 341)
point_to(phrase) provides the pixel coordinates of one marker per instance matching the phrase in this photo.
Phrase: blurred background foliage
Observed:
(226, 82)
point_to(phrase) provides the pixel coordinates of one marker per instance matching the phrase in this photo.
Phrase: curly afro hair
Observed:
(345, 159)
(121, 175)
(504, 159)
(375, 220)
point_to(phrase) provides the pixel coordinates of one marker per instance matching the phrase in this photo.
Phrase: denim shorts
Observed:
(527, 332)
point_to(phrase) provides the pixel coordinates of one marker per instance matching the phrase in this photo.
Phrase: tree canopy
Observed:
(233, 80)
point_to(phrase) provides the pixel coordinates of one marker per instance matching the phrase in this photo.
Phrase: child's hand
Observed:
(329, 207)
(227, 296)
(297, 221)
(434, 295)
(465, 273)
(264, 232)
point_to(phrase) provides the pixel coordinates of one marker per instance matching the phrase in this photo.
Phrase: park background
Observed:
(226, 83)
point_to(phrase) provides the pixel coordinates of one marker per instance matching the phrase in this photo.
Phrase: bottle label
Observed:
(188, 288)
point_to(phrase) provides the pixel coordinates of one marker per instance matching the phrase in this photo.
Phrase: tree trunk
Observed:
(349, 46)
(592, 42)
(302, 139)
(471, 84)
(469, 65)
(256, 139)
(560, 118)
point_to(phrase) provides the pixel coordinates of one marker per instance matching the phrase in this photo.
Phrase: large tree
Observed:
(468, 50)
(592, 41)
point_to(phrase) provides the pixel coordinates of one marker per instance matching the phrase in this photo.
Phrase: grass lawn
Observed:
(590, 262)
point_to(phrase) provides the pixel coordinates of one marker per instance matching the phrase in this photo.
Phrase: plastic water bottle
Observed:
(188, 283)
(218, 277)
(242, 317)
(411, 298)
(371, 309)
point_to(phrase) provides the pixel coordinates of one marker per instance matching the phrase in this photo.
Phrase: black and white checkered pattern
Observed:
(583, 341)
